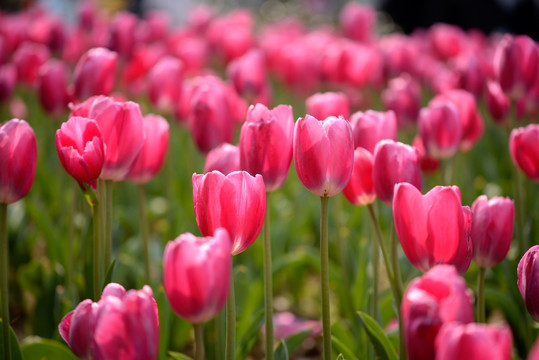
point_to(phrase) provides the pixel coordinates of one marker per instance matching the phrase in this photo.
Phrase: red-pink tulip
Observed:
(403, 96)
(426, 163)
(438, 297)
(370, 127)
(433, 228)
(474, 341)
(360, 189)
(27, 59)
(8, 80)
(165, 84)
(524, 150)
(52, 87)
(266, 143)
(80, 149)
(323, 154)
(236, 202)
(122, 33)
(324, 105)
(224, 158)
(497, 103)
(94, 73)
(249, 76)
(18, 156)
(358, 21)
(152, 155)
(492, 229)
(196, 275)
(440, 129)
(528, 280)
(394, 162)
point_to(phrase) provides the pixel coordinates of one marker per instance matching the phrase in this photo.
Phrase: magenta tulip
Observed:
(165, 84)
(18, 157)
(224, 158)
(370, 127)
(122, 33)
(524, 150)
(52, 87)
(433, 228)
(427, 163)
(152, 155)
(360, 189)
(438, 297)
(324, 105)
(236, 202)
(196, 273)
(497, 103)
(323, 154)
(441, 129)
(528, 280)
(94, 73)
(266, 144)
(249, 76)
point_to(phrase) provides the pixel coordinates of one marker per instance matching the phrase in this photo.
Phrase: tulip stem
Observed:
(199, 341)
(108, 224)
(324, 269)
(268, 283)
(97, 250)
(4, 268)
(518, 193)
(231, 322)
(145, 231)
(481, 295)
(395, 260)
(375, 271)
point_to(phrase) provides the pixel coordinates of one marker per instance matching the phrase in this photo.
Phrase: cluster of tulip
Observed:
(337, 146)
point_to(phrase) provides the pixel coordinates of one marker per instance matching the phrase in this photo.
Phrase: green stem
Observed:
(481, 295)
(231, 322)
(71, 238)
(108, 223)
(395, 261)
(97, 252)
(268, 283)
(199, 341)
(101, 224)
(220, 324)
(324, 270)
(375, 275)
(519, 199)
(145, 231)
(4, 268)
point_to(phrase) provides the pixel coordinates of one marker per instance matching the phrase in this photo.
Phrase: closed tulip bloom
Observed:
(236, 202)
(80, 148)
(370, 127)
(323, 154)
(323, 105)
(433, 228)
(474, 341)
(249, 76)
(528, 280)
(358, 21)
(152, 155)
(394, 162)
(165, 84)
(497, 103)
(492, 229)
(440, 129)
(360, 188)
(27, 59)
(196, 273)
(427, 163)
(94, 73)
(403, 96)
(8, 80)
(122, 131)
(524, 150)
(122, 33)
(224, 158)
(438, 297)
(52, 87)
(266, 143)
(18, 157)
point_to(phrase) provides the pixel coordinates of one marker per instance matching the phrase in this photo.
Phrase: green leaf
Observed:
(340, 357)
(15, 349)
(342, 348)
(281, 353)
(108, 275)
(345, 337)
(178, 356)
(295, 341)
(46, 349)
(250, 335)
(378, 337)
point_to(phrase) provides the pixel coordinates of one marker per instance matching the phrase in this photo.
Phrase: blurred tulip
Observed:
(324, 105)
(370, 127)
(403, 96)
(474, 341)
(440, 129)
(152, 155)
(528, 280)
(27, 59)
(135, 73)
(470, 73)
(249, 76)
(438, 297)
(224, 158)
(52, 87)
(286, 324)
(534, 352)
(497, 103)
(524, 150)
(323, 154)
(122, 33)
(492, 229)
(360, 189)
(433, 228)
(426, 163)
(94, 73)
(196, 275)
(358, 21)
(200, 17)
(446, 40)
(394, 162)
(8, 80)
(80, 149)
(236, 202)
(18, 157)
(165, 84)
(266, 144)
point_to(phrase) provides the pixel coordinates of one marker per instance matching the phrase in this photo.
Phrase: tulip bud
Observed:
(224, 158)
(165, 84)
(323, 154)
(440, 129)
(370, 127)
(94, 73)
(324, 105)
(360, 189)
(52, 87)
(196, 275)
(524, 150)
(528, 280)
(18, 157)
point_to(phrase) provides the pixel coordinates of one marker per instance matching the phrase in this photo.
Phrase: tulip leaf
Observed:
(15, 349)
(251, 334)
(295, 341)
(281, 352)
(108, 274)
(378, 337)
(342, 348)
(46, 349)
(178, 356)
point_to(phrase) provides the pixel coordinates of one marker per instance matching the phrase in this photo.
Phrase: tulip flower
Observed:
(440, 129)
(474, 341)
(358, 21)
(8, 80)
(224, 158)
(524, 150)
(394, 162)
(323, 154)
(497, 103)
(121, 325)
(438, 297)
(370, 127)
(528, 275)
(94, 73)
(196, 273)
(446, 40)
(52, 87)
(433, 228)
(403, 96)
(249, 76)
(27, 59)
(122, 33)
(324, 105)
(360, 188)
(427, 163)
(165, 84)
(287, 324)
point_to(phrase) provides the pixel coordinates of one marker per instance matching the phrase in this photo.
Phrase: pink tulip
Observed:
(236, 202)
(249, 76)
(528, 280)
(135, 74)
(426, 163)
(394, 162)
(497, 103)
(52, 87)
(323, 154)
(441, 129)
(80, 148)
(8, 80)
(492, 229)
(266, 144)
(446, 40)
(474, 341)
(224, 158)
(403, 96)
(18, 157)
(286, 324)
(438, 297)
(360, 189)
(433, 228)
(122, 325)
(152, 155)
(534, 352)
(196, 273)
(370, 127)
(358, 21)
(27, 59)
(94, 73)
(324, 105)
(524, 150)
(122, 33)
(165, 84)
(122, 131)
